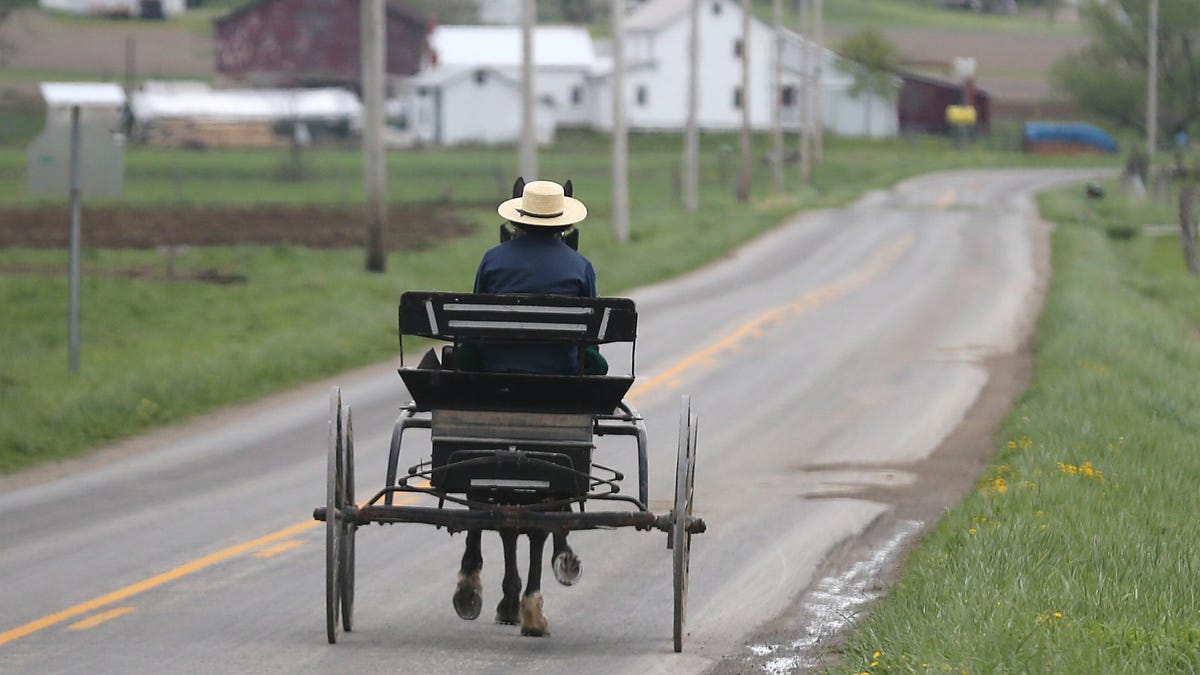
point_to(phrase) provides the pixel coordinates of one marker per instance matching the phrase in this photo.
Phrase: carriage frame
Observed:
(508, 450)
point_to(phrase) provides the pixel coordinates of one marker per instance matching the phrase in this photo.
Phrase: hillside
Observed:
(1013, 54)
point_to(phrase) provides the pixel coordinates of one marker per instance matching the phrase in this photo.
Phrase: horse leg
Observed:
(508, 611)
(566, 565)
(533, 622)
(468, 597)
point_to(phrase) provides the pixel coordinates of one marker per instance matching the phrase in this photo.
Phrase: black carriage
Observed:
(507, 450)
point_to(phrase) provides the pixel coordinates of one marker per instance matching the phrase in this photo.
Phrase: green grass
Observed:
(918, 14)
(157, 351)
(1077, 552)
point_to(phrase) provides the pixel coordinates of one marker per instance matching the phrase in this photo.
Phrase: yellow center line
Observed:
(946, 199)
(92, 622)
(670, 377)
(281, 547)
(759, 325)
(153, 582)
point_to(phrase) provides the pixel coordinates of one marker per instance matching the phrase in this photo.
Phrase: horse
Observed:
(515, 608)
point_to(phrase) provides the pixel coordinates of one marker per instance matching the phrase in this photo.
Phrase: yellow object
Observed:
(961, 115)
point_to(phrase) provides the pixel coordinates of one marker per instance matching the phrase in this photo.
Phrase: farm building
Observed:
(563, 57)
(192, 115)
(125, 9)
(657, 75)
(442, 107)
(305, 43)
(923, 101)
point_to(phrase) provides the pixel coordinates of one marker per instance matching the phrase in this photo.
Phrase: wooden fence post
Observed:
(1187, 225)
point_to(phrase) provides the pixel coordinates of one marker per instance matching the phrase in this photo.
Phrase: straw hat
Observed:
(542, 203)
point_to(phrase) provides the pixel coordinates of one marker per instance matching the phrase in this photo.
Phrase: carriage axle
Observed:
(509, 519)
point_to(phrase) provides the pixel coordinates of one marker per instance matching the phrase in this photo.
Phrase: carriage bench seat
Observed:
(477, 414)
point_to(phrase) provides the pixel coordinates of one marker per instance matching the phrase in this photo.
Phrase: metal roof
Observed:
(500, 46)
(82, 94)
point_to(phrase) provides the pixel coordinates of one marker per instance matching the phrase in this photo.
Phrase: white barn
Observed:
(563, 56)
(452, 105)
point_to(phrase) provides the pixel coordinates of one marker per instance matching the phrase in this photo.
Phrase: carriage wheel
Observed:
(334, 531)
(346, 561)
(681, 540)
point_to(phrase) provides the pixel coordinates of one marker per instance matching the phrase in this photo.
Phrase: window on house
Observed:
(716, 8)
(737, 98)
(787, 96)
(737, 48)
(576, 95)
(642, 95)
(481, 77)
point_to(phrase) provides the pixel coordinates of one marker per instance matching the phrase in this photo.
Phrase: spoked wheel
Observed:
(681, 539)
(349, 528)
(335, 526)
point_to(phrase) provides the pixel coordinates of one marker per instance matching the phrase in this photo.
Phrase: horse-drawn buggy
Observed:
(508, 451)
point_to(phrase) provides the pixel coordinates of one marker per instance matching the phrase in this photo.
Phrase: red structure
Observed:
(308, 43)
(923, 101)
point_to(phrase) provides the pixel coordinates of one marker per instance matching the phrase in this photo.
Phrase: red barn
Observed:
(923, 101)
(306, 43)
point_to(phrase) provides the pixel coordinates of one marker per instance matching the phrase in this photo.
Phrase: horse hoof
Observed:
(567, 568)
(533, 622)
(508, 612)
(468, 597)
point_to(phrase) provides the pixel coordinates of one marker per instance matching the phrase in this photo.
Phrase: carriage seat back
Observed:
(465, 318)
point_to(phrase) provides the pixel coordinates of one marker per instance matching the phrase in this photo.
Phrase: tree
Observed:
(871, 60)
(443, 11)
(1109, 77)
(7, 7)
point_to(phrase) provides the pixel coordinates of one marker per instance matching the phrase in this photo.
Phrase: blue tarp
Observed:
(1081, 134)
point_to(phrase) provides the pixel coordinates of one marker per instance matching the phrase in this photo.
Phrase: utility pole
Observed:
(803, 8)
(620, 147)
(743, 188)
(1152, 90)
(691, 136)
(777, 103)
(375, 169)
(818, 121)
(528, 151)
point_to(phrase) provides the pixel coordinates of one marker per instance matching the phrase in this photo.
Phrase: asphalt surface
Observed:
(826, 360)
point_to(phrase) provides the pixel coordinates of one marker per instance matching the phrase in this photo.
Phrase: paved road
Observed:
(822, 358)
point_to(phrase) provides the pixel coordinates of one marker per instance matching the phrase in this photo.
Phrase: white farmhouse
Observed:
(656, 49)
(452, 105)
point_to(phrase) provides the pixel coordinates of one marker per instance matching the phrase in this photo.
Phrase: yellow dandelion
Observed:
(877, 655)
(972, 531)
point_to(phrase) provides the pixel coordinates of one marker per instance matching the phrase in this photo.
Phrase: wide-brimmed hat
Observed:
(543, 203)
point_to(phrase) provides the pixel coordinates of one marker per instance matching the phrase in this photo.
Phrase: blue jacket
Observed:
(537, 263)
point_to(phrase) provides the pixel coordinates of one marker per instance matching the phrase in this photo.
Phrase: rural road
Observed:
(828, 361)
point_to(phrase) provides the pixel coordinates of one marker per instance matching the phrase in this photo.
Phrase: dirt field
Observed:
(319, 227)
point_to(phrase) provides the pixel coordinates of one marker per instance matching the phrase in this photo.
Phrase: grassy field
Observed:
(156, 351)
(1076, 554)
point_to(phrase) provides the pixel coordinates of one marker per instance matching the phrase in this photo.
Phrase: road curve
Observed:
(825, 359)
